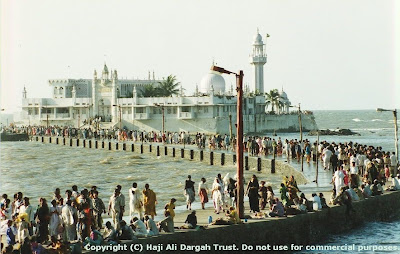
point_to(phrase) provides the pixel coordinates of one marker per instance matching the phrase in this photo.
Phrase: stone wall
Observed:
(305, 229)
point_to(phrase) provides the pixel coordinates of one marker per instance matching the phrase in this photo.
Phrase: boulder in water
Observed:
(336, 132)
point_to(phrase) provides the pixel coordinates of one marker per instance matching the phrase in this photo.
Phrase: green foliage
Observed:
(165, 88)
(273, 98)
(168, 87)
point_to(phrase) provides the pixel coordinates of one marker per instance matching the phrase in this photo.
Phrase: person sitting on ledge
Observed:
(167, 224)
(376, 188)
(109, 232)
(139, 227)
(151, 226)
(126, 232)
(190, 222)
(317, 206)
(353, 194)
(366, 190)
(323, 201)
(277, 209)
(345, 199)
(395, 183)
(232, 217)
(300, 206)
(359, 193)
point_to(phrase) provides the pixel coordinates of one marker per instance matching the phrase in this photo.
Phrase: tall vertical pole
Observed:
(301, 127)
(239, 144)
(120, 117)
(316, 167)
(230, 126)
(301, 139)
(163, 124)
(396, 139)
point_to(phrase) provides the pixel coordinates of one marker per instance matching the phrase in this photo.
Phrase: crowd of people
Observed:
(77, 217)
(358, 172)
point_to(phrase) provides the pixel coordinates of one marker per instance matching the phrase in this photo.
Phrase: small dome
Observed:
(258, 39)
(283, 95)
(212, 79)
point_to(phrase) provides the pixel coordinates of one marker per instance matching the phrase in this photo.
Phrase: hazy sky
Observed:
(325, 54)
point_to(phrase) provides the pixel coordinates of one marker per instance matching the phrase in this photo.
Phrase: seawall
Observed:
(216, 158)
(301, 230)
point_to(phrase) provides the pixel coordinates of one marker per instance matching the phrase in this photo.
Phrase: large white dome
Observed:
(212, 79)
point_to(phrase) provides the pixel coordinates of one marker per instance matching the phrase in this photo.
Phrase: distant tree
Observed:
(149, 91)
(273, 98)
(168, 87)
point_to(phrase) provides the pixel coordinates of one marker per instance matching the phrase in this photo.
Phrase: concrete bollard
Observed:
(37, 139)
(109, 145)
(173, 152)
(132, 147)
(234, 158)
(201, 155)
(42, 139)
(165, 150)
(124, 146)
(116, 146)
(77, 142)
(150, 148)
(141, 148)
(246, 162)
(258, 164)
(158, 150)
(70, 142)
(182, 153)
(191, 154)
(90, 143)
(273, 166)
(222, 159)
(211, 158)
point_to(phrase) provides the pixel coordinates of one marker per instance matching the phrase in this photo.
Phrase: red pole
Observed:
(239, 145)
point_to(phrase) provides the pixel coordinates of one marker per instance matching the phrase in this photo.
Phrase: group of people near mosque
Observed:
(77, 217)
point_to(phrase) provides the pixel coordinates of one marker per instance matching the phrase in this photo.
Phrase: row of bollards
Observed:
(88, 143)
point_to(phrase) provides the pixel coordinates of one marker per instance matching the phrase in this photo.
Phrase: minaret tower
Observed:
(258, 58)
(94, 94)
(24, 93)
(114, 88)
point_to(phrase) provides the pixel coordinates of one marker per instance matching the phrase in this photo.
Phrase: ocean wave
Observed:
(357, 120)
(106, 161)
(371, 129)
(377, 120)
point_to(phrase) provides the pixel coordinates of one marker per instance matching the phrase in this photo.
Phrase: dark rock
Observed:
(336, 132)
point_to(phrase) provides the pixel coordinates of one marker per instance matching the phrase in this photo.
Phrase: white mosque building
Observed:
(114, 101)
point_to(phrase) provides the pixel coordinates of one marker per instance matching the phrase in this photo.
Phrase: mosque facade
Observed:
(106, 101)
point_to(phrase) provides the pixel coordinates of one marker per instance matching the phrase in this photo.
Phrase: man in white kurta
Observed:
(326, 156)
(338, 180)
(68, 221)
(135, 203)
(114, 208)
